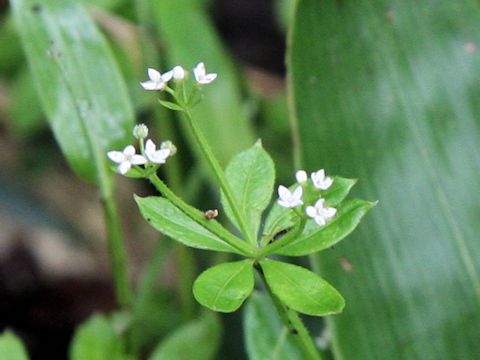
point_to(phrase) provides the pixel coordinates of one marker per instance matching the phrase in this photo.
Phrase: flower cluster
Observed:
(159, 81)
(292, 199)
(150, 153)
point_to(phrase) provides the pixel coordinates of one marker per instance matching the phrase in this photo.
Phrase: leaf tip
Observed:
(259, 143)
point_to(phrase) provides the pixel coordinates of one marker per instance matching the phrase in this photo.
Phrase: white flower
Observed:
(320, 181)
(126, 159)
(178, 72)
(301, 176)
(157, 80)
(140, 131)
(290, 199)
(201, 76)
(320, 213)
(154, 155)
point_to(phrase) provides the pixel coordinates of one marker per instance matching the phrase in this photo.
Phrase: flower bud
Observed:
(140, 131)
(178, 72)
(169, 145)
(301, 176)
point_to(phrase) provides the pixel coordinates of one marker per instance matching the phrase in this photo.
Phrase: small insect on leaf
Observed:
(211, 214)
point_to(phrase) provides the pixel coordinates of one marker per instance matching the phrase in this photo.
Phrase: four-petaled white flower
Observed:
(201, 74)
(290, 199)
(320, 181)
(157, 80)
(320, 213)
(301, 176)
(126, 158)
(156, 156)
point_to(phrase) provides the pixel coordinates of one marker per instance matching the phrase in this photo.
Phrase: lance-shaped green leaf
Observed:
(315, 238)
(11, 347)
(280, 218)
(172, 222)
(196, 340)
(96, 339)
(302, 290)
(225, 287)
(266, 337)
(78, 82)
(251, 175)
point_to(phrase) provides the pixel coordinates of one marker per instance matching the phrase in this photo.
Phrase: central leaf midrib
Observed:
(220, 290)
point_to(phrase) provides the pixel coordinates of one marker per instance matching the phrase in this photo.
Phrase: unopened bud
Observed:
(301, 176)
(178, 72)
(169, 145)
(140, 131)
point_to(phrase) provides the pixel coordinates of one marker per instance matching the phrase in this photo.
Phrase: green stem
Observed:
(217, 170)
(199, 217)
(186, 267)
(292, 234)
(293, 323)
(117, 252)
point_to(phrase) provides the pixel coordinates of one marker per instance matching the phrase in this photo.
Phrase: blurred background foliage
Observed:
(385, 91)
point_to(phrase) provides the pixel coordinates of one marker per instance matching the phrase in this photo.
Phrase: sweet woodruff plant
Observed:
(309, 216)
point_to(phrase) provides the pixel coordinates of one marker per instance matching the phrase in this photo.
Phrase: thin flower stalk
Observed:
(217, 170)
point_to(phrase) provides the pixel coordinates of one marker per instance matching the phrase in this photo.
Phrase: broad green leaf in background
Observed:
(387, 91)
(266, 337)
(77, 80)
(11, 347)
(171, 221)
(225, 287)
(301, 289)
(188, 37)
(96, 339)
(315, 238)
(196, 340)
(12, 56)
(26, 116)
(251, 175)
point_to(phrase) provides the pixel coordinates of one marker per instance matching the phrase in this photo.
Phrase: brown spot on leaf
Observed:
(345, 264)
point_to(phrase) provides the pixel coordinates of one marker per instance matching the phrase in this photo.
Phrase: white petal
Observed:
(165, 153)
(154, 75)
(327, 183)
(116, 156)
(301, 176)
(159, 157)
(209, 78)
(129, 150)
(167, 76)
(284, 203)
(149, 147)
(152, 85)
(283, 192)
(319, 220)
(138, 160)
(328, 213)
(319, 203)
(124, 167)
(311, 211)
(297, 193)
(199, 70)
